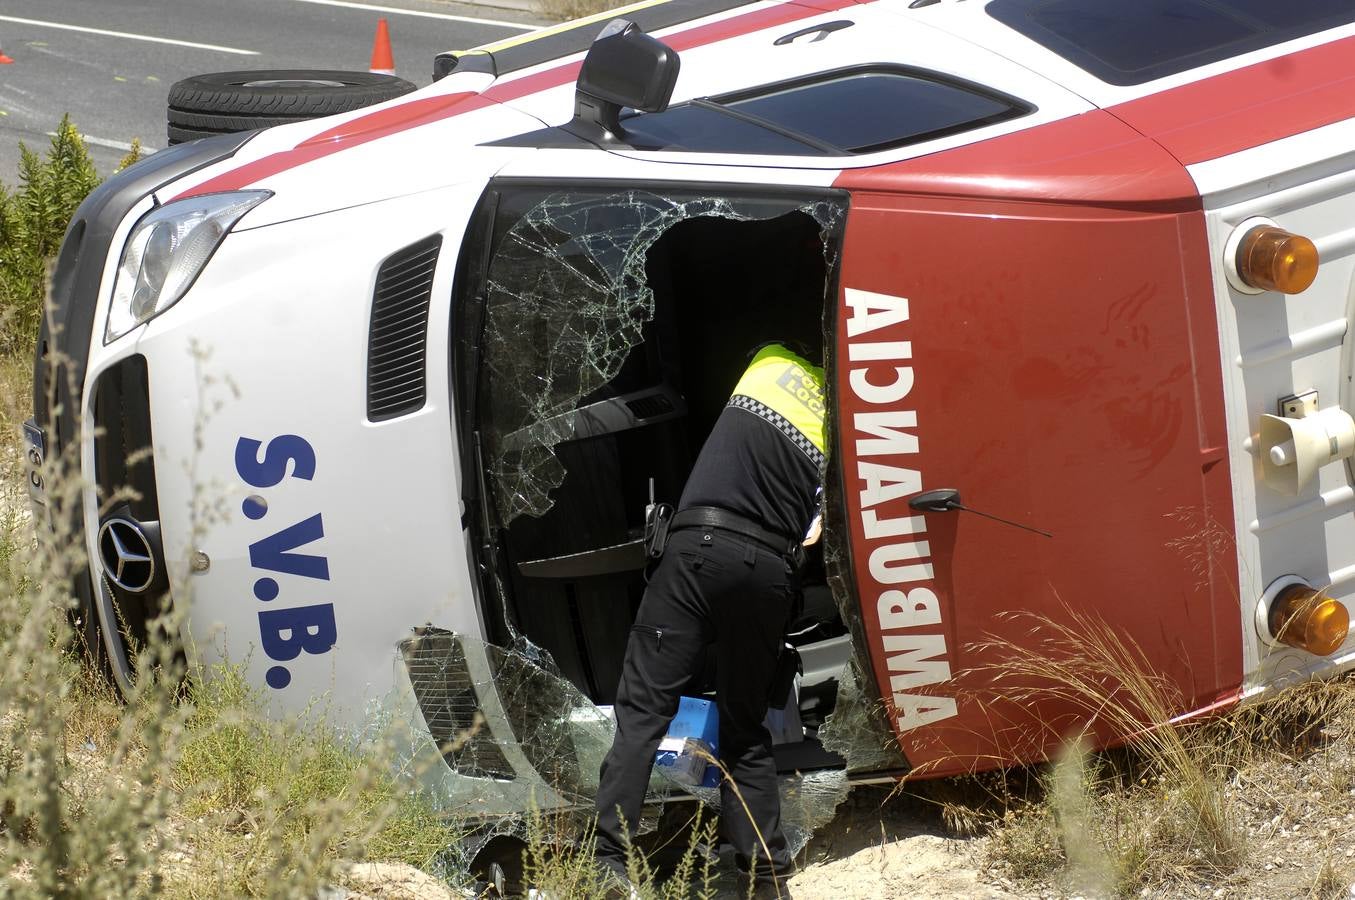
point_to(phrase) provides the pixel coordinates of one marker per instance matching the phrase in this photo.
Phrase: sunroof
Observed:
(863, 111)
(1132, 42)
(846, 111)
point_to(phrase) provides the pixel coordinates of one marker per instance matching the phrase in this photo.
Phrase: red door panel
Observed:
(1059, 365)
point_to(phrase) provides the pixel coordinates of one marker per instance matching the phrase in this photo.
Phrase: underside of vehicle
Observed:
(603, 328)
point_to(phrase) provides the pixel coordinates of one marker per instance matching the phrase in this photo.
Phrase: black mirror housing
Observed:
(939, 500)
(624, 67)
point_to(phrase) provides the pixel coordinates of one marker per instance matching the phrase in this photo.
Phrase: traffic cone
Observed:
(4, 60)
(383, 62)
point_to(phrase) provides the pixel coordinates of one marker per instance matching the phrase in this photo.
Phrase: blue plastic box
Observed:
(696, 720)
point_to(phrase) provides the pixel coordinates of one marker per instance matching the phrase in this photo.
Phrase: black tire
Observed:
(226, 102)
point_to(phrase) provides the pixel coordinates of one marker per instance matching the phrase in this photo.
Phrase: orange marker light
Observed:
(1304, 618)
(1272, 259)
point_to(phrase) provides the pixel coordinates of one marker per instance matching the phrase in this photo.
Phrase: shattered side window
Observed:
(857, 729)
(566, 301)
(552, 737)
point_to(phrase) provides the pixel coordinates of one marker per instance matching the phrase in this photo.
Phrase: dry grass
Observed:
(184, 787)
(1175, 811)
(558, 860)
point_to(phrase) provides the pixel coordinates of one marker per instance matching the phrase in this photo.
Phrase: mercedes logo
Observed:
(126, 554)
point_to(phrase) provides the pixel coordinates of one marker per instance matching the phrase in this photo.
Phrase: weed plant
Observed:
(1160, 810)
(558, 862)
(33, 221)
(1160, 814)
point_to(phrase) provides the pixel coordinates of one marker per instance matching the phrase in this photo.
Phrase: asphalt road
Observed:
(110, 63)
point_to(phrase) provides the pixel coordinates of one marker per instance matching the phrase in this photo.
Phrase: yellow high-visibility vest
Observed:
(787, 391)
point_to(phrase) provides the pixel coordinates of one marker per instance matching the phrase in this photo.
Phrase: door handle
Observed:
(822, 30)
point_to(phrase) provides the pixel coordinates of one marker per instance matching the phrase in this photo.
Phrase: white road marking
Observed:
(129, 36)
(12, 105)
(105, 142)
(516, 26)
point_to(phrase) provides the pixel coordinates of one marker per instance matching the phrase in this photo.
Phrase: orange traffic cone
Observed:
(4, 60)
(383, 62)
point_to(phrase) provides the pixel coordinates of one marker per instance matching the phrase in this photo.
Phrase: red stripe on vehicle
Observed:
(750, 22)
(353, 133)
(395, 119)
(1248, 107)
(701, 36)
(1088, 158)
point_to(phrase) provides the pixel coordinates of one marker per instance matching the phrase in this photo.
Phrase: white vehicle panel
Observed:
(328, 175)
(1275, 346)
(208, 390)
(873, 38)
(307, 542)
(1279, 165)
(592, 164)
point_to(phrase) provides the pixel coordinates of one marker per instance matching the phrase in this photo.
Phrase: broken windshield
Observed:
(567, 300)
(612, 323)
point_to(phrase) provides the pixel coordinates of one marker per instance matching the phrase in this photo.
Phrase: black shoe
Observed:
(765, 890)
(615, 884)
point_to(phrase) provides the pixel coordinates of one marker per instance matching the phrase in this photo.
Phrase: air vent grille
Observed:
(397, 343)
(446, 696)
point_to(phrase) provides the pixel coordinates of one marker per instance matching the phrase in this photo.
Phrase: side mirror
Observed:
(624, 67)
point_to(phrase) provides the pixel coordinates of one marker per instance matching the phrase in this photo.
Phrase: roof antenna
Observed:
(946, 499)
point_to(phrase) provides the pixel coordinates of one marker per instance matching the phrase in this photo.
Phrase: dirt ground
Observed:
(895, 846)
(1293, 811)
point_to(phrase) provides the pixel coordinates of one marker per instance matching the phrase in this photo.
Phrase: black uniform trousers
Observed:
(710, 586)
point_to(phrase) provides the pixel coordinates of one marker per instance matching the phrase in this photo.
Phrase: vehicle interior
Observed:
(573, 575)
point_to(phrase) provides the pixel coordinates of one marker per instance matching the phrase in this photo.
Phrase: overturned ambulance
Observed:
(1087, 266)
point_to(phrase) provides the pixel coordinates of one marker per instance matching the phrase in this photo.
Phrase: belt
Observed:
(724, 520)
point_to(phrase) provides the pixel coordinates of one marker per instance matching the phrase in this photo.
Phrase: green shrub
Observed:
(33, 221)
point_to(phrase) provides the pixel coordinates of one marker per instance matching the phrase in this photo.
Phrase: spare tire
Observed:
(224, 102)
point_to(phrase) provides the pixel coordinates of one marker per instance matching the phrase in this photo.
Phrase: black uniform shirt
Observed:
(757, 462)
(749, 467)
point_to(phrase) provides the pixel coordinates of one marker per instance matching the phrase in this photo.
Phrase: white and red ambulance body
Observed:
(1033, 308)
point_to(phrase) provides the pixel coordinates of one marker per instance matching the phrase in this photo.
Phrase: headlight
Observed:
(166, 251)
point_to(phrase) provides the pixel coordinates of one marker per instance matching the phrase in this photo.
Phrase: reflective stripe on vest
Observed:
(787, 392)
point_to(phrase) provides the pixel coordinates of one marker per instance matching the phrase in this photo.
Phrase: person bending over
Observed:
(728, 576)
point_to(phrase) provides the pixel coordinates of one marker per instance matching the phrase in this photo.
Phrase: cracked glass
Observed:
(516, 737)
(567, 299)
(857, 729)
